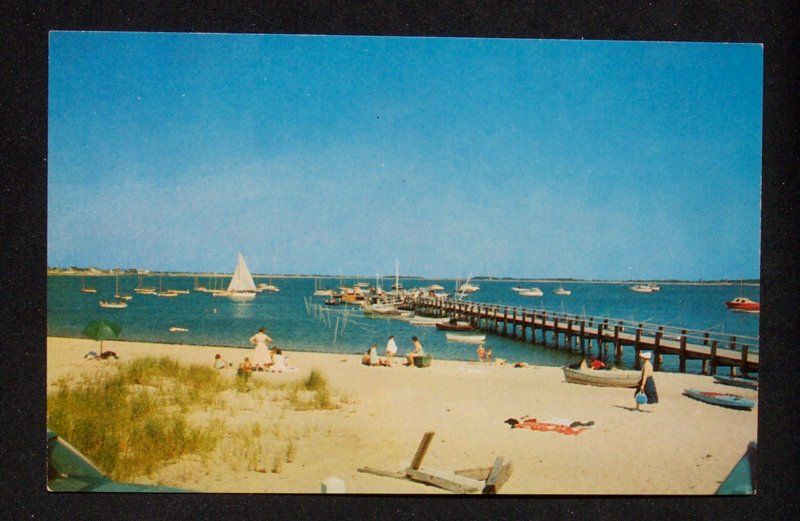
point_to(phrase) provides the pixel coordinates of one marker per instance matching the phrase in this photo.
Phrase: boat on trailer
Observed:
(602, 377)
(732, 401)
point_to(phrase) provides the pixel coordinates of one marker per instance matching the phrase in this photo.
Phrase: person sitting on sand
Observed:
(247, 365)
(365, 358)
(279, 363)
(521, 364)
(391, 349)
(373, 354)
(417, 352)
(481, 353)
(219, 362)
(597, 364)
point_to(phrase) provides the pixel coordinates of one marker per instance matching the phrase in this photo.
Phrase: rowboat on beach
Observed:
(738, 381)
(466, 339)
(602, 377)
(731, 401)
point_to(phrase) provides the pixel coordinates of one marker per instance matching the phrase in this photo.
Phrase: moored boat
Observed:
(744, 305)
(530, 292)
(602, 377)
(426, 321)
(113, 304)
(241, 288)
(737, 381)
(435, 287)
(466, 339)
(85, 288)
(455, 325)
(732, 401)
(176, 329)
(643, 288)
(562, 291)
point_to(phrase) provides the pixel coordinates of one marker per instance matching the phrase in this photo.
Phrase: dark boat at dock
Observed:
(456, 325)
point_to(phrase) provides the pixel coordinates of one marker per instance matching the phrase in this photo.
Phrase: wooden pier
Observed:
(714, 349)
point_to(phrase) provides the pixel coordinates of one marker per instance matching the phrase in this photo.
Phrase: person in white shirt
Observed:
(391, 349)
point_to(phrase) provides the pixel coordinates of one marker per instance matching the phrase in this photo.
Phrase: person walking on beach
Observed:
(417, 352)
(261, 340)
(391, 349)
(646, 384)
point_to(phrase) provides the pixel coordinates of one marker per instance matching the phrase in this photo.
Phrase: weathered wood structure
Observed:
(582, 332)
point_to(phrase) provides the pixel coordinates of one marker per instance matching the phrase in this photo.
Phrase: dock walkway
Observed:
(714, 349)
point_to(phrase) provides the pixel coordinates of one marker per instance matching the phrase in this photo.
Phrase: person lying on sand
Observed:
(521, 364)
(105, 355)
(559, 425)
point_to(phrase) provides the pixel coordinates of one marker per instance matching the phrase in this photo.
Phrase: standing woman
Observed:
(646, 384)
(261, 341)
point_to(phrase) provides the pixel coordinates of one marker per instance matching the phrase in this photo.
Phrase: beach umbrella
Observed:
(101, 330)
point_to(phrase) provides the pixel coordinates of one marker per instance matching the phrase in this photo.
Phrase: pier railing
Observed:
(716, 347)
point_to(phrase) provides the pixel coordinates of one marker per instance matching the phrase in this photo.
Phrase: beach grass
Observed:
(135, 420)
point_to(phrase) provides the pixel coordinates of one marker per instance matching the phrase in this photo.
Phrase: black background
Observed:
(23, 246)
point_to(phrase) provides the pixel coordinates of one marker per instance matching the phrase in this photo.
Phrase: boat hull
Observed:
(602, 377)
(730, 401)
(455, 327)
(240, 296)
(736, 381)
(750, 307)
(466, 339)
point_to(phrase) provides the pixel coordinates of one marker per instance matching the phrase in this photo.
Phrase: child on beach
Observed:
(373, 354)
(489, 354)
(247, 365)
(219, 362)
(481, 353)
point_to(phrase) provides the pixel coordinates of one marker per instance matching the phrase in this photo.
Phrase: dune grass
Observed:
(134, 421)
(131, 422)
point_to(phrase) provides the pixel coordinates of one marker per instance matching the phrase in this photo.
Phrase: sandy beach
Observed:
(681, 446)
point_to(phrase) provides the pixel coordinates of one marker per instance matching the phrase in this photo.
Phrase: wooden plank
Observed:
(397, 474)
(478, 473)
(446, 480)
(421, 450)
(497, 478)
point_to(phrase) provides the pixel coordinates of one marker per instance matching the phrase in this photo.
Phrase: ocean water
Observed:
(297, 321)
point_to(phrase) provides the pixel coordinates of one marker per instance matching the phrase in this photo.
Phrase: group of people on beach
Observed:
(265, 358)
(371, 357)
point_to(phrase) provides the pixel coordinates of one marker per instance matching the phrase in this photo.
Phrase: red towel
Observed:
(533, 425)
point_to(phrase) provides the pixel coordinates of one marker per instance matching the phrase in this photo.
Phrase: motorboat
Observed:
(517, 288)
(468, 288)
(176, 329)
(643, 288)
(743, 305)
(456, 325)
(113, 304)
(602, 377)
(532, 292)
(562, 291)
(435, 287)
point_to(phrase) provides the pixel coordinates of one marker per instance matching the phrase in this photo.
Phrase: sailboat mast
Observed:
(397, 275)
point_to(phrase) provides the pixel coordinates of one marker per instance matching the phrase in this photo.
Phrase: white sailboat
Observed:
(242, 288)
(320, 291)
(268, 287)
(118, 295)
(162, 293)
(467, 287)
(142, 290)
(85, 288)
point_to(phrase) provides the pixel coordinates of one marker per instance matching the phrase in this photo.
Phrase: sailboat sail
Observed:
(241, 280)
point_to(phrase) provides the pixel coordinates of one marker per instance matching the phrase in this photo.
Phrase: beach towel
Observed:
(534, 425)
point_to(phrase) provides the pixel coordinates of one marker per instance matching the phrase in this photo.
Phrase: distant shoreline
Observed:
(108, 273)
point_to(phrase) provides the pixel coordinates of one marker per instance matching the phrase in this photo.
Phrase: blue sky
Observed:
(535, 158)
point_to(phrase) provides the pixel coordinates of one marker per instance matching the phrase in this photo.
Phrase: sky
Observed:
(453, 156)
